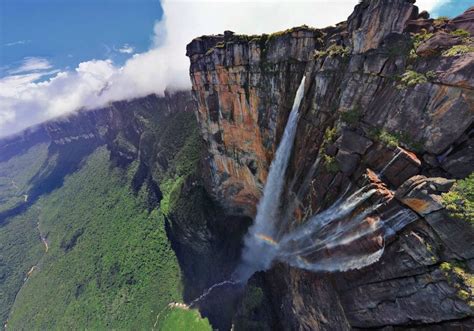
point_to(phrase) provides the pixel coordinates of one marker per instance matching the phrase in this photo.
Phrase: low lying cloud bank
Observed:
(27, 98)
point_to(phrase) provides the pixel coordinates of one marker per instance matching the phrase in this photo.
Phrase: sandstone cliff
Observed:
(389, 92)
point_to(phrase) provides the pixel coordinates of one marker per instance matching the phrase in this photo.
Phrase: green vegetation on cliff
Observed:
(460, 200)
(183, 151)
(20, 244)
(394, 139)
(333, 51)
(173, 319)
(458, 50)
(411, 78)
(16, 173)
(20, 248)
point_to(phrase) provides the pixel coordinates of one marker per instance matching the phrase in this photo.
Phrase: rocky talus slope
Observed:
(389, 100)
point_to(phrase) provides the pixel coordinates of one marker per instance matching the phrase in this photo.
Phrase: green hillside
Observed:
(87, 245)
(16, 174)
(109, 263)
(20, 244)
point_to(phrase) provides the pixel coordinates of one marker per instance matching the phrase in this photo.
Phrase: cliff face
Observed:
(245, 86)
(389, 92)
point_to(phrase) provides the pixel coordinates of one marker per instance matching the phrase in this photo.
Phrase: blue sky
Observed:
(58, 56)
(67, 32)
(452, 8)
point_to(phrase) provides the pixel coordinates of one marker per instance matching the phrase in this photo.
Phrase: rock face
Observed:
(372, 21)
(386, 93)
(245, 92)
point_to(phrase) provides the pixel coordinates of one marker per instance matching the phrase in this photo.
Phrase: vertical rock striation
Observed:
(245, 86)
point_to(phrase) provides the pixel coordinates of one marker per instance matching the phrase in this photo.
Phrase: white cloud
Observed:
(431, 5)
(31, 64)
(16, 43)
(24, 101)
(126, 49)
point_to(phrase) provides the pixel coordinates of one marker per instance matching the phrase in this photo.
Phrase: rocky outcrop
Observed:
(464, 21)
(372, 21)
(388, 98)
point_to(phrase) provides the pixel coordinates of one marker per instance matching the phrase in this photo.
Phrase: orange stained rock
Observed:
(241, 135)
(379, 240)
(222, 76)
(417, 205)
(379, 185)
(248, 200)
(446, 97)
(372, 220)
(412, 156)
(298, 214)
(239, 176)
(373, 177)
(246, 139)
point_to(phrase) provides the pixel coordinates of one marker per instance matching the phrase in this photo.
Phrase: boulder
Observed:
(456, 234)
(354, 143)
(422, 194)
(347, 162)
(460, 162)
(460, 73)
(372, 21)
(418, 25)
(402, 165)
(464, 21)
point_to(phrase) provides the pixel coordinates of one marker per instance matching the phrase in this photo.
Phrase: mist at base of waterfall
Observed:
(341, 238)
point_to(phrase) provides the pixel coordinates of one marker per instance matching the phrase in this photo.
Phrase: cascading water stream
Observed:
(264, 227)
(330, 230)
(209, 291)
(389, 164)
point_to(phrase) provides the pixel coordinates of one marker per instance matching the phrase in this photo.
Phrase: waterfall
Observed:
(259, 238)
(310, 252)
(209, 291)
(343, 237)
(389, 164)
